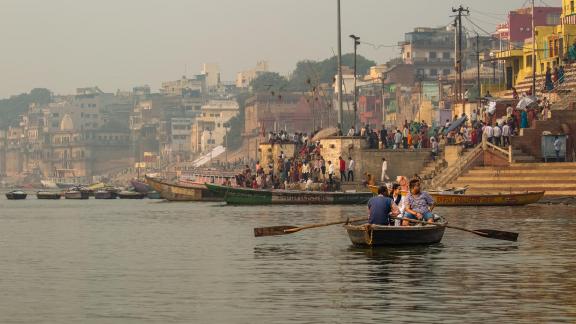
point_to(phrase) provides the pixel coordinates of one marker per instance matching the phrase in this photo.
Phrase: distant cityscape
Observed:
(94, 133)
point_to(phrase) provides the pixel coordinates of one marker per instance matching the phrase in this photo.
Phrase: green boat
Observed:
(246, 196)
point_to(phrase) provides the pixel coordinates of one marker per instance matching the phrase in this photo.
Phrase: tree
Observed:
(17, 105)
(309, 73)
(269, 81)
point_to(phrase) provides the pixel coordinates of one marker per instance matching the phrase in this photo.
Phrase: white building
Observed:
(244, 78)
(209, 129)
(211, 72)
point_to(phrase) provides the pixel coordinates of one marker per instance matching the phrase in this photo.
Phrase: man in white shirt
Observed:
(351, 131)
(488, 133)
(384, 176)
(398, 139)
(351, 164)
(497, 132)
(330, 172)
(505, 135)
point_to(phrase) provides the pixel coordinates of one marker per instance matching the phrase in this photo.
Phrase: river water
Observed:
(148, 261)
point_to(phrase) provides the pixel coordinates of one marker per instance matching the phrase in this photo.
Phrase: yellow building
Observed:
(552, 44)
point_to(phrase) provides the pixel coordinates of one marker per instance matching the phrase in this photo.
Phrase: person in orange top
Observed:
(409, 140)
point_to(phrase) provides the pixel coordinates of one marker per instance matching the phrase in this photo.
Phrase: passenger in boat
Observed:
(419, 205)
(381, 207)
(399, 201)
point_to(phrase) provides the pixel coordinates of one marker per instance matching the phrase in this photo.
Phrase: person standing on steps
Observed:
(384, 176)
(342, 168)
(351, 164)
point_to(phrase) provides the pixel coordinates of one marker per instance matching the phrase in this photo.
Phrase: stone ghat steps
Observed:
(519, 173)
(507, 185)
(514, 178)
(523, 166)
(548, 193)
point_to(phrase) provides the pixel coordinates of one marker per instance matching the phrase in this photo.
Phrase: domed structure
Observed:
(66, 124)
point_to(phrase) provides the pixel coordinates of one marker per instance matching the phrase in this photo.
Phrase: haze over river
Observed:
(149, 261)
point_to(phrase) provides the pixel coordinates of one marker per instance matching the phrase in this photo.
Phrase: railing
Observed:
(508, 153)
(455, 170)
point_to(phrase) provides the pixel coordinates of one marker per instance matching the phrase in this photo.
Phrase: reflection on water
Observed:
(150, 262)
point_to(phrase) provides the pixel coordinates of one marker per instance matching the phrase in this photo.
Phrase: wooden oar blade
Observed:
(499, 235)
(272, 231)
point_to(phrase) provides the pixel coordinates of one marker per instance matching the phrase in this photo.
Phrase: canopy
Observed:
(456, 124)
(325, 132)
(525, 102)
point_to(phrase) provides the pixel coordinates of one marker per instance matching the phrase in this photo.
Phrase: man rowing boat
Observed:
(381, 208)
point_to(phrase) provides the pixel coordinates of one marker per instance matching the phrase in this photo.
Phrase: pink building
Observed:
(519, 24)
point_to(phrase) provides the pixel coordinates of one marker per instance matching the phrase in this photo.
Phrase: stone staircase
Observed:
(557, 179)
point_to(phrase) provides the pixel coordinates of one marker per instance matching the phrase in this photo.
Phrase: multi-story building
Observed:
(211, 126)
(211, 72)
(430, 50)
(244, 78)
(518, 26)
(185, 87)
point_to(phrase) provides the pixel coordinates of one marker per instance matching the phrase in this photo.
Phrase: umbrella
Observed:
(455, 124)
(525, 102)
(326, 132)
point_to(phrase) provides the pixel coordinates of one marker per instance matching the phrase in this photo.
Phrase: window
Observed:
(529, 61)
(446, 55)
(433, 72)
(446, 72)
(432, 55)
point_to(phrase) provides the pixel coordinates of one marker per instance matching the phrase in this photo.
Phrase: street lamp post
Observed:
(226, 127)
(356, 40)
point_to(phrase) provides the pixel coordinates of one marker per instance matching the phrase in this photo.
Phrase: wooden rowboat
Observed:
(375, 235)
(131, 195)
(52, 195)
(246, 196)
(16, 195)
(181, 192)
(459, 191)
(511, 199)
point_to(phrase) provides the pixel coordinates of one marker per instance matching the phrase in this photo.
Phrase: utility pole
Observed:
(340, 107)
(355, 105)
(533, 53)
(478, 65)
(460, 10)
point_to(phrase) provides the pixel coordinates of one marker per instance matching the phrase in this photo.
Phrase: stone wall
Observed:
(400, 162)
(269, 153)
(529, 140)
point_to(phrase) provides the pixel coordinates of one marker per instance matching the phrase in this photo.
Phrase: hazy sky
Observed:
(117, 44)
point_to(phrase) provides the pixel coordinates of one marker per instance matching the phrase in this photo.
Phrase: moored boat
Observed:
(105, 194)
(365, 235)
(501, 199)
(131, 195)
(16, 195)
(246, 196)
(153, 195)
(50, 195)
(183, 192)
(77, 193)
(140, 186)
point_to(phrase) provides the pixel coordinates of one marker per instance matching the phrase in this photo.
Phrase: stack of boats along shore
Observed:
(211, 188)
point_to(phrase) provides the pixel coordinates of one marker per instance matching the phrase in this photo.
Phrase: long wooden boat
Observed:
(105, 194)
(77, 194)
(375, 235)
(140, 186)
(16, 195)
(502, 199)
(459, 191)
(246, 196)
(51, 195)
(181, 192)
(131, 195)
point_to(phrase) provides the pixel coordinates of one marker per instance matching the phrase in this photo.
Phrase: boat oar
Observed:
(287, 229)
(488, 233)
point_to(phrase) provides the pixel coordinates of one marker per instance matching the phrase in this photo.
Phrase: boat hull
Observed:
(244, 196)
(79, 195)
(105, 195)
(131, 195)
(140, 186)
(190, 192)
(16, 195)
(373, 236)
(514, 199)
(48, 195)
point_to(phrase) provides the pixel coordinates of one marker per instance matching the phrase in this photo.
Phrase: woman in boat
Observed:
(419, 205)
(399, 201)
